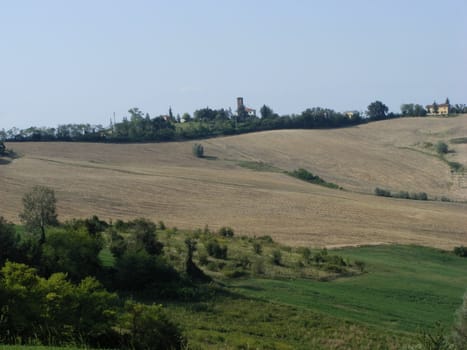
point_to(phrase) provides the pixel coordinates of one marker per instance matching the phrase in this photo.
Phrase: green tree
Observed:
(2, 148)
(266, 112)
(39, 210)
(377, 110)
(9, 242)
(73, 251)
(198, 150)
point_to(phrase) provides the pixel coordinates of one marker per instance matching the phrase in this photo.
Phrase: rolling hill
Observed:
(241, 184)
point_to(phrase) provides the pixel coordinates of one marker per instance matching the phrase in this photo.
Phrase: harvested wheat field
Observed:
(164, 181)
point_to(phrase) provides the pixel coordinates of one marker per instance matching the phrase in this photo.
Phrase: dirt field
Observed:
(166, 182)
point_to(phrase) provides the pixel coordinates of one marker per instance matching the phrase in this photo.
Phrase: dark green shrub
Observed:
(382, 192)
(305, 253)
(420, 196)
(198, 150)
(258, 267)
(266, 239)
(334, 268)
(360, 265)
(203, 259)
(441, 148)
(257, 248)
(307, 176)
(456, 166)
(148, 327)
(461, 251)
(243, 262)
(216, 250)
(403, 194)
(235, 273)
(226, 232)
(276, 258)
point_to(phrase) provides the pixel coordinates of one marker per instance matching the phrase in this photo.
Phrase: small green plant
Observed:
(198, 150)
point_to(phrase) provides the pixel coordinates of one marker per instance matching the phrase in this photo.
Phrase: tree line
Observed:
(206, 122)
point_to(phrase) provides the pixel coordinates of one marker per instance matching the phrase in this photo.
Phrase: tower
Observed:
(240, 105)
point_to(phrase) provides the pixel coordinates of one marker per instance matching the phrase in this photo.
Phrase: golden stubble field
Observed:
(166, 182)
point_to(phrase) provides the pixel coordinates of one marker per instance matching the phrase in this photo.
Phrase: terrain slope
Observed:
(164, 181)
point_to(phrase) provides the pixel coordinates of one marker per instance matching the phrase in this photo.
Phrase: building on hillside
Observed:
(438, 109)
(240, 106)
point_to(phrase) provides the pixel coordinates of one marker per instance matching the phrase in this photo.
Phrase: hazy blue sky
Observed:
(80, 61)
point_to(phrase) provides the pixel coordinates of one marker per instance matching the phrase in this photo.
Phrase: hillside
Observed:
(166, 182)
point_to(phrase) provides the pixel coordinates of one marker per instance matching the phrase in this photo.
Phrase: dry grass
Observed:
(165, 181)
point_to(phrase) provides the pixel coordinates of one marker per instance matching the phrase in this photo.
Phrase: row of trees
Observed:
(206, 122)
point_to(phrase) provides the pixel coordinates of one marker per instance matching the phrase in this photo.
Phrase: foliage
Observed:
(413, 110)
(305, 175)
(226, 232)
(276, 257)
(216, 250)
(2, 148)
(9, 242)
(382, 192)
(39, 209)
(441, 148)
(422, 196)
(461, 251)
(138, 270)
(53, 310)
(73, 251)
(148, 327)
(377, 110)
(435, 339)
(460, 327)
(257, 248)
(198, 150)
(193, 271)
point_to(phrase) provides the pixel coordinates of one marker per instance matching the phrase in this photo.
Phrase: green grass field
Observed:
(406, 288)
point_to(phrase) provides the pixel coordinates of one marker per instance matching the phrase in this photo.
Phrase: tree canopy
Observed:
(39, 209)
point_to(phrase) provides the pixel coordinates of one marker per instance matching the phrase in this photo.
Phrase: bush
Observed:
(276, 257)
(258, 267)
(382, 192)
(257, 248)
(360, 265)
(441, 148)
(305, 175)
(198, 150)
(148, 327)
(305, 253)
(215, 250)
(420, 196)
(461, 251)
(226, 232)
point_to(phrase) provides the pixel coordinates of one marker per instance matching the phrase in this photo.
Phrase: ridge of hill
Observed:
(164, 181)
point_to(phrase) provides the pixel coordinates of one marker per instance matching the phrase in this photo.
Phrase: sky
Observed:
(82, 61)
